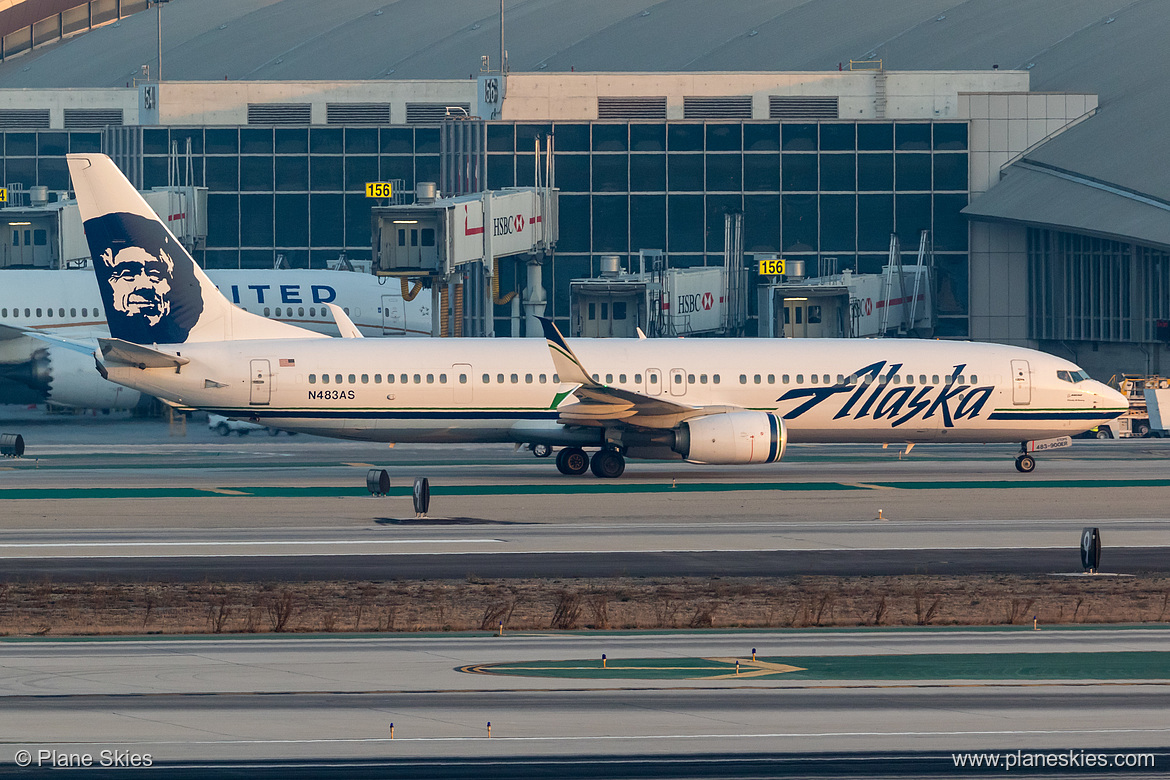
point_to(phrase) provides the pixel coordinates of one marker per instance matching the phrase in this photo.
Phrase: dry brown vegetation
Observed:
(104, 608)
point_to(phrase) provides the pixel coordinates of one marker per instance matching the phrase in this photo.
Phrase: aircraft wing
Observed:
(599, 404)
(9, 332)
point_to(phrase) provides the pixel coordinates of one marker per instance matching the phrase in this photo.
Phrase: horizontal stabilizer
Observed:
(126, 353)
(9, 332)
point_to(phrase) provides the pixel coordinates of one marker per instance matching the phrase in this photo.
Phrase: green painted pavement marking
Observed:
(560, 488)
(1121, 665)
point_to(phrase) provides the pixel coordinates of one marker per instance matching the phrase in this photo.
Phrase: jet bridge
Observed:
(456, 244)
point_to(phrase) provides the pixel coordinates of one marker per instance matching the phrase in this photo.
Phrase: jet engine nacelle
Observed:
(732, 437)
(70, 378)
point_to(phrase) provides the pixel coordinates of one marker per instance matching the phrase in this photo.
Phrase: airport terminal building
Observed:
(824, 166)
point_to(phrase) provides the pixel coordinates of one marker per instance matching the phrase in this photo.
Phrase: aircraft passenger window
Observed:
(50, 311)
(922, 379)
(442, 379)
(487, 379)
(324, 379)
(653, 379)
(690, 379)
(84, 312)
(702, 379)
(948, 379)
(974, 379)
(365, 379)
(60, 312)
(377, 379)
(593, 311)
(771, 379)
(312, 379)
(528, 379)
(756, 379)
(597, 377)
(743, 379)
(677, 378)
(266, 312)
(826, 379)
(344, 309)
(515, 379)
(544, 379)
(637, 379)
(800, 379)
(3, 312)
(619, 310)
(934, 379)
(72, 312)
(418, 379)
(26, 313)
(38, 312)
(463, 379)
(961, 380)
(430, 379)
(621, 379)
(337, 378)
(557, 378)
(500, 378)
(813, 378)
(389, 379)
(840, 379)
(403, 378)
(609, 379)
(897, 379)
(352, 379)
(715, 379)
(313, 311)
(300, 311)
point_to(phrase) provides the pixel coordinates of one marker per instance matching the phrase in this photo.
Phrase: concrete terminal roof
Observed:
(1114, 49)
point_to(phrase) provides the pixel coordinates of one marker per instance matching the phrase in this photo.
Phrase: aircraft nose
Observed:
(1113, 397)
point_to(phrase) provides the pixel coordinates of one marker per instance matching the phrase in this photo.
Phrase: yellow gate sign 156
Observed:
(773, 267)
(378, 189)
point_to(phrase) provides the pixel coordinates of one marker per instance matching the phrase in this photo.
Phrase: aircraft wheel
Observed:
(607, 464)
(1025, 464)
(572, 461)
(541, 450)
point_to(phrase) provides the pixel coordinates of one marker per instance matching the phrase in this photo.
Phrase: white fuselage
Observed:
(67, 303)
(466, 390)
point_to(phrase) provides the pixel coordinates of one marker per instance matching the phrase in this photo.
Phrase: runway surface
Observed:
(100, 498)
(265, 700)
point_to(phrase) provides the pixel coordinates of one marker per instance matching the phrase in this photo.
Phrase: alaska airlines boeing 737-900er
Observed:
(175, 336)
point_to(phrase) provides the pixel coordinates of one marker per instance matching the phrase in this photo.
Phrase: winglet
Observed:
(641, 335)
(568, 367)
(344, 323)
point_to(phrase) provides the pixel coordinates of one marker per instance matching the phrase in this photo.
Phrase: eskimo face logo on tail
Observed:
(147, 281)
(881, 400)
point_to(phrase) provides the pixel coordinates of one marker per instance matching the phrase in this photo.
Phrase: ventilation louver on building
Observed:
(417, 113)
(279, 113)
(24, 117)
(357, 113)
(802, 107)
(631, 107)
(729, 107)
(92, 117)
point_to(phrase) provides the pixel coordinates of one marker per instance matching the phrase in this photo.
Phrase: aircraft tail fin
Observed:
(152, 289)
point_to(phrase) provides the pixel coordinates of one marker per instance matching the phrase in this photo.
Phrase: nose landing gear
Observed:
(1025, 463)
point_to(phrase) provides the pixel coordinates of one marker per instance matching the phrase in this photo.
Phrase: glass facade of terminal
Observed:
(815, 190)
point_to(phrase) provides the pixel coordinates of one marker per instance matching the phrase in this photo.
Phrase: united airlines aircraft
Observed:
(175, 336)
(33, 370)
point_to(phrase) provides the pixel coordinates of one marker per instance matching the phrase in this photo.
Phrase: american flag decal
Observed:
(287, 362)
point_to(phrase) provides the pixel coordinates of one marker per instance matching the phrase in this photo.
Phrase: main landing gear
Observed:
(606, 464)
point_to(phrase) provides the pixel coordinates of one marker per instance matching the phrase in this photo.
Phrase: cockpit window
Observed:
(1072, 376)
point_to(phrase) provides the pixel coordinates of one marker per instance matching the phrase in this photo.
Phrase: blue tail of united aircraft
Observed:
(152, 289)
